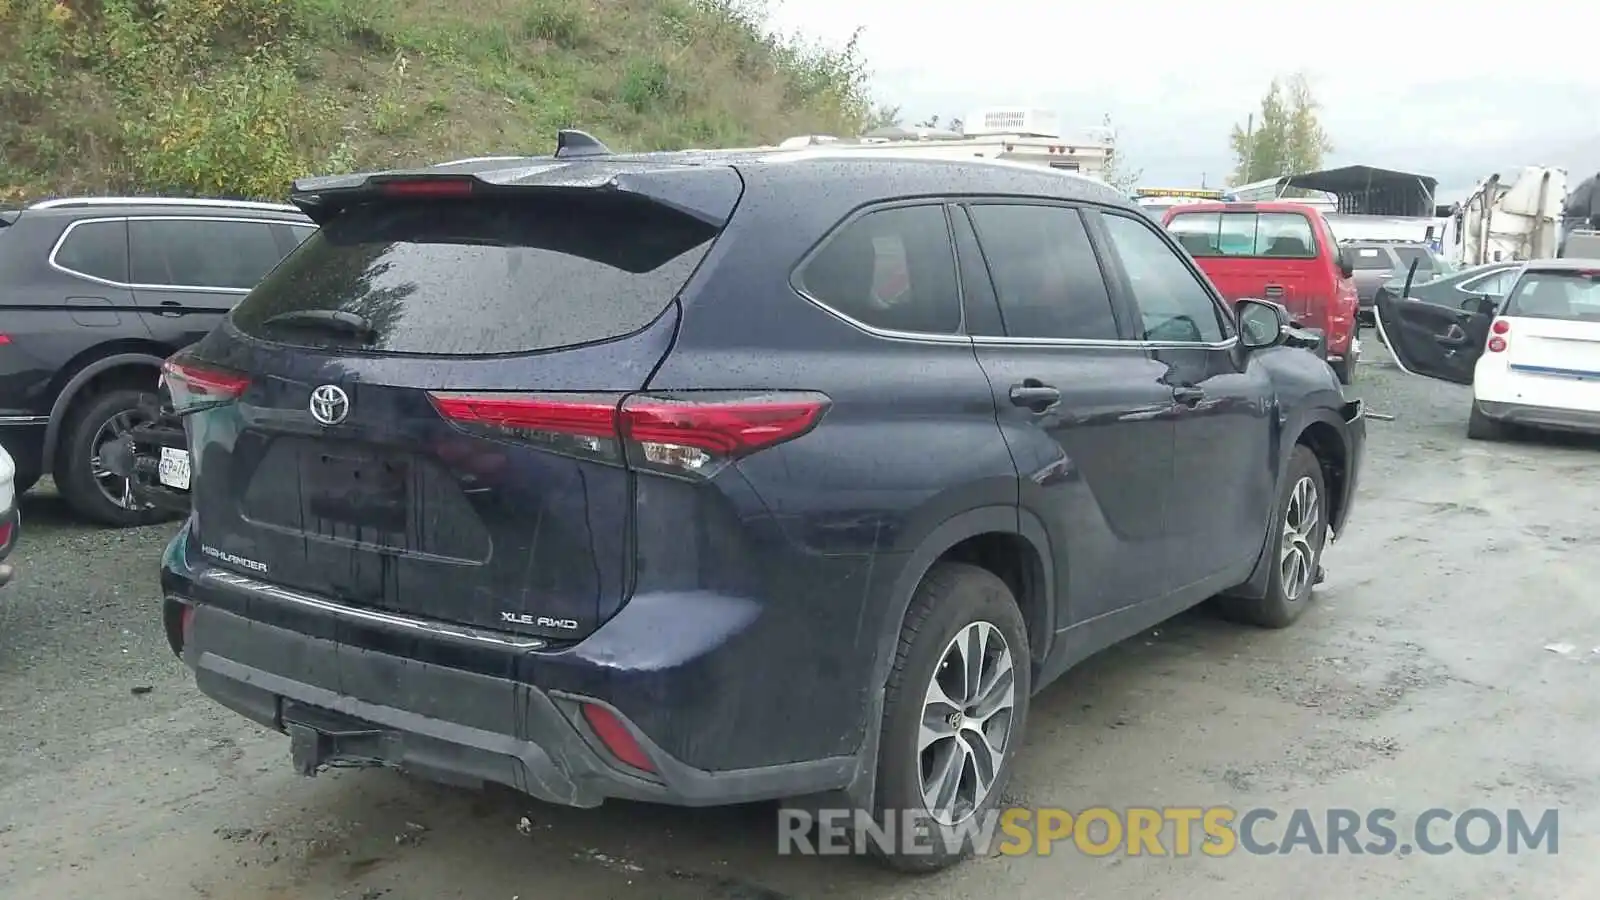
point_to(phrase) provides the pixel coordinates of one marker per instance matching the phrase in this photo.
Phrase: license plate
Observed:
(173, 471)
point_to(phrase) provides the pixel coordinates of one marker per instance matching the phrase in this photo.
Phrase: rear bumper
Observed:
(342, 700)
(1550, 417)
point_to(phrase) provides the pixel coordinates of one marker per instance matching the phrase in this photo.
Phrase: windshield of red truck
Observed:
(1244, 234)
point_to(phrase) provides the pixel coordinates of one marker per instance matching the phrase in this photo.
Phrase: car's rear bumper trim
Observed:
(1541, 416)
(448, 631)
(453, 726)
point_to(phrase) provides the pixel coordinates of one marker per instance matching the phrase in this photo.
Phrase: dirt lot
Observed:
(1422, 679)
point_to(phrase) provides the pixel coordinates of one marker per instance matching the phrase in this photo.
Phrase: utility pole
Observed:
(1249, 145)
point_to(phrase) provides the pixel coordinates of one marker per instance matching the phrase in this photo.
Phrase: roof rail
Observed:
(68, 202)
(570, 143)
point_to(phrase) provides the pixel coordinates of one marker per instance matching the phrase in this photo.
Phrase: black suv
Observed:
(716, 476)
(94, 293)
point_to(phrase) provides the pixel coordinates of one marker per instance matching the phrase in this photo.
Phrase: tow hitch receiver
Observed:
(318, 738)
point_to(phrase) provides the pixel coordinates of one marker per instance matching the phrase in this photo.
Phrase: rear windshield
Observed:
(478, 277)
(1244, 234)
(1556, 295)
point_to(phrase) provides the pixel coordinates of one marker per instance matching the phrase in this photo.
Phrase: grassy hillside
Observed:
(238, 97)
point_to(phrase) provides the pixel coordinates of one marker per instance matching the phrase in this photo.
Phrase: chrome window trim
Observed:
(69, 202)
(374, 617)
(140, 286)
(24, 420)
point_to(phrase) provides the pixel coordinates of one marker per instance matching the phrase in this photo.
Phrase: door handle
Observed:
(1188, 396)
(1035, 395)
(171, 308)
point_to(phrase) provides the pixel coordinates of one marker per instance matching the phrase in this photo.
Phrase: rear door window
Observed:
(1246, 234)
(893, 269)
(1045, 272)
(200, 253)
(97, 250)
(481, 277)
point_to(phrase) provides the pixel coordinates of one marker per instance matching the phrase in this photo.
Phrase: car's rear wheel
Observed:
(954, 710)
(1299, 533)
(1482, 428)
(89, 489)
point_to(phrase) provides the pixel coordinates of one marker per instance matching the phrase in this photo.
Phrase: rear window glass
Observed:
(479, 277)
(1556, 295)
(1244, 234)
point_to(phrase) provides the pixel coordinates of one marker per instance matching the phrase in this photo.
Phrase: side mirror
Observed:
(1347, 269)
(1262, 324)
(1483, 304)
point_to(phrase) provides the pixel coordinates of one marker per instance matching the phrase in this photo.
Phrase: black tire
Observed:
(74, 471)
(1280, 607)
(951, 598)
(1482, 428)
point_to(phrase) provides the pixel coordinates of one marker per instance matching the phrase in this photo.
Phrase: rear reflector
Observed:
(4, 339)
(618, 739)
(5, 534)
(689, 433)
(427, 187)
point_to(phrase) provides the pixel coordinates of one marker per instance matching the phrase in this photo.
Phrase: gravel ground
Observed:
(1420, 680)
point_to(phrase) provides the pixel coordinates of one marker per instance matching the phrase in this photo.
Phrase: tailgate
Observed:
(413, 412)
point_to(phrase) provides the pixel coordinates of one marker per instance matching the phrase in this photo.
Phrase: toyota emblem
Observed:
(330, 405)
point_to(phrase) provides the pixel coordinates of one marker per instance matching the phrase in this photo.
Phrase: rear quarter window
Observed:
(1570, 295)
(1244, 234)
(1368, 258)
(482, 277)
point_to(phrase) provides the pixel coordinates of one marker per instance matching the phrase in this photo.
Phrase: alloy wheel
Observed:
(966, 722)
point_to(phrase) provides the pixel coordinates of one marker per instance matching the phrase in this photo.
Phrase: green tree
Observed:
(1285, 137)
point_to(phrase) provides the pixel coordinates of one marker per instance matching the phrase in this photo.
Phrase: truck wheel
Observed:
(953, 716)
(89, 490)
(1299, 532)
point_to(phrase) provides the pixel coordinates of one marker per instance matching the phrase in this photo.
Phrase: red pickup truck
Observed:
(1279, 251)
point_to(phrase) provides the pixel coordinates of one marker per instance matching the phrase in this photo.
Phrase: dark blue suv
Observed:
(723, 476)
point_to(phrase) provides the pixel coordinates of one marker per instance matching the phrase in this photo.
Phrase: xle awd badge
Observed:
(330, 405)
(539, 621)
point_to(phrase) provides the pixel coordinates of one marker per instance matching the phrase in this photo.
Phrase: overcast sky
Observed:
(1449, 90)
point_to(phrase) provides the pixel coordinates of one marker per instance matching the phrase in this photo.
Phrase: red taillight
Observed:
(202, 383)
(4, 339)
(616, 736)
(688, 433)
(1500, 326)
(5, 534)
(427, 187)
(186, 623)
(1497, 344)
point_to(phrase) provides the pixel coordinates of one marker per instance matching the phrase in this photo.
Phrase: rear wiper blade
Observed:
(329, 320)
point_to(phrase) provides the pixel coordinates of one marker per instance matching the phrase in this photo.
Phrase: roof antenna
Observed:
(571, 142)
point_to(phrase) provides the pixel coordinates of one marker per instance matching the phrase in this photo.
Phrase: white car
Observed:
(10, 518)
(1533, 359)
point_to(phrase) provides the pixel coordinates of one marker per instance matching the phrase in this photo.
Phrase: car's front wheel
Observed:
(954, 710)
(91, 490)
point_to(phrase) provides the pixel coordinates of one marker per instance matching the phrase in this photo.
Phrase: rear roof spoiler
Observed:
(705, 192)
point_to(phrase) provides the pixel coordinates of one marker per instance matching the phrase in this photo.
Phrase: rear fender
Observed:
(58, 412)
(983, 520)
